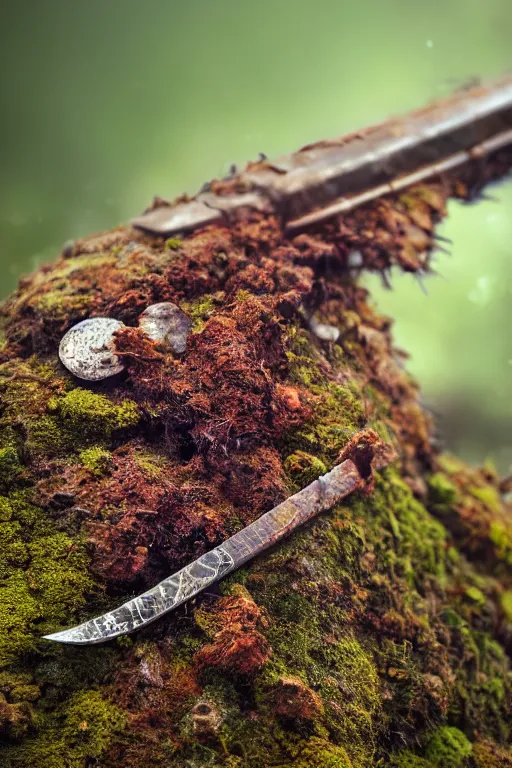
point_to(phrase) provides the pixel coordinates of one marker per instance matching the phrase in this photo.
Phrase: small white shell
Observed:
(168, 324)
(87, 349)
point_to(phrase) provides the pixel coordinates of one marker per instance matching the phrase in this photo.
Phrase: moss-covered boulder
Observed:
(378, 635)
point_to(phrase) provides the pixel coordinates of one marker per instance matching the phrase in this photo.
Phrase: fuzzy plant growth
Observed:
(380, 634)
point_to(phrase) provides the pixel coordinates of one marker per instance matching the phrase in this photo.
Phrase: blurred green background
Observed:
(105, 104)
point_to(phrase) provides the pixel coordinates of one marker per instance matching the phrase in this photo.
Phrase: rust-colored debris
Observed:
(291, 698)
(238, 646)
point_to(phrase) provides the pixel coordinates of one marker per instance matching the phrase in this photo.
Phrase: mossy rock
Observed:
(385, 621)
(448, 747)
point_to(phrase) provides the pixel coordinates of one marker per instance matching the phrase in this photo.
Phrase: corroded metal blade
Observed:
(334, 176)
(318, 496)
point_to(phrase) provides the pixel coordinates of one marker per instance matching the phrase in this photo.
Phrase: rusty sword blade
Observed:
(331, 177)
(318, 496)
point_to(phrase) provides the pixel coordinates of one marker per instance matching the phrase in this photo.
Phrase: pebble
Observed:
(323, 331)
(167, 324)
(86, 350)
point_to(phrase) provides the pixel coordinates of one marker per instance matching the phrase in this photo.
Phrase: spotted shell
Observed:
(168, 324)
(87, 349)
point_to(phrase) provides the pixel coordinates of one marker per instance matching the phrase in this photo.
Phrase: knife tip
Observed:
(58, 637)
(67, 637)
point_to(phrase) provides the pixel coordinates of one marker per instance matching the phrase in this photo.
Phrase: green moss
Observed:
(501, 536)
(173, 243)
(408, 759)
(488, 495)
(243, 295)
(25, 693)
(61, 305)
(57, 425)
(199, 310)
(19, 609)
(79, 733)
(453, 555)
(320, 754)
(29, 384)
(486, 754)
(152, 464)
(352, 717)
(442, 490)
(484, 685)
(3, 338)
(58, 573)
(44, 578)
(320, 647)
(77, 420)
(338, 409)
(13, 551)
(342, 672)
(57, 297)
(303, 468)
(448, 748)
(88, 262)
(338, 414)
(97, 459)
(470, 504)
(475, 595)
(366, 604)
(506, 604)
(9, 436)
(450, 464)
(409, 550)
(5, 509)
(10, 466)
(92, 415)
(45, 437)
(303, 359)
(89, 724)
(408, 539)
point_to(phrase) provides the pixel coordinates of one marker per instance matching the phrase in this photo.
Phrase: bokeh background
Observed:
(105, 104)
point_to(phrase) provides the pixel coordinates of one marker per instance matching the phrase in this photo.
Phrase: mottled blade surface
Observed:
(337, 175)
(319, 496)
